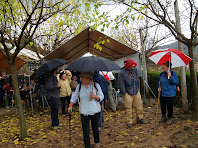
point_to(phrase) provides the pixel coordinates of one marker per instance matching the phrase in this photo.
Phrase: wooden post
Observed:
(144, 65)
(182, 68)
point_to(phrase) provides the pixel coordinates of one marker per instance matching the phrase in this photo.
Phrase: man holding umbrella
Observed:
(48, 72)
(129, 85)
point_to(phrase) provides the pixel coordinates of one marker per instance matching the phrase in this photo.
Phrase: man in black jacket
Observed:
(53, 92)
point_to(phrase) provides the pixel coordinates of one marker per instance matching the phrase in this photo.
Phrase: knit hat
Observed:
(130, 63)
(86, 75)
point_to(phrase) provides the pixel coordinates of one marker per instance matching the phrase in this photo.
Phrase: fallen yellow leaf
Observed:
(44, 137)
(189, 120)
(142, 132)
(16, 141)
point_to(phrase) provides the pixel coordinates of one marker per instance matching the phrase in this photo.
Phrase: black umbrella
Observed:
(49, 66)
(93, 63)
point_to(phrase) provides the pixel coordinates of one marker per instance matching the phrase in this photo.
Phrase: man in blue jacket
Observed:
(129, 85)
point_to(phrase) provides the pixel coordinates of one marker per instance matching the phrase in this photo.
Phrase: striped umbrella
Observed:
(176, 57)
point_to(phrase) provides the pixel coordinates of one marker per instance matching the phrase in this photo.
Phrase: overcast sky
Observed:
(183, 7)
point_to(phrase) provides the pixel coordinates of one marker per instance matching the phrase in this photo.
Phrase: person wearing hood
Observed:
(129, 85)
(53, 92)
(65, 90)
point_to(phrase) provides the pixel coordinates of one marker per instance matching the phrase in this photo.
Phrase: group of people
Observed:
(7, 96)
(95, 87)
(92, 89)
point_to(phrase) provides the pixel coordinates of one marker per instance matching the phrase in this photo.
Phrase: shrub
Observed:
(153, 80)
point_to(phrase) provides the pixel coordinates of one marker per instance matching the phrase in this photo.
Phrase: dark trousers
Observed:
(101, 119)
(63, 100)
(53, 102)
(167, 102)
(94, 124)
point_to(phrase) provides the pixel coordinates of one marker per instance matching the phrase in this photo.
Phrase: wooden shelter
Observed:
(84, 42)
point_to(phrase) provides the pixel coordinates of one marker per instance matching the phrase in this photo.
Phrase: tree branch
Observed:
(14, 22)
(194, 25)
(33, 32)
(24, 7)
(24, 27)
(191, 13)
(7, 55)
(161, 8)
(173, 30)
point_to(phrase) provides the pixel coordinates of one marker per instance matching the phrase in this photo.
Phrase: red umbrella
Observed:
(176, 57)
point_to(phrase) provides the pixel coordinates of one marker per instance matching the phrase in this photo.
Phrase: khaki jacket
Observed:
(65, 85)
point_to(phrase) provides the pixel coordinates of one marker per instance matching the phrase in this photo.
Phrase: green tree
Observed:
(21, 25)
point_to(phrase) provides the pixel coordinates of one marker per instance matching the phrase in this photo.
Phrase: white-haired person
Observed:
(90, 95)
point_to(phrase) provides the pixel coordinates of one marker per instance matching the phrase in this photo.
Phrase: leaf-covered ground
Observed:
(182, 133)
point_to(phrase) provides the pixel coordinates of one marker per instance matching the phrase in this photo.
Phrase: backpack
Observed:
(106, 76)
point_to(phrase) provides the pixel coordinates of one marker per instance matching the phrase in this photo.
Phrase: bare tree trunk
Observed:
(193, 83)
(23, 129)
(183, 88)
(182, 68)
(144, 66)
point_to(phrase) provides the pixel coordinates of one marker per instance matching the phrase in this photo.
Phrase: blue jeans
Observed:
(53, 102)
(101, 118)
(94, 124)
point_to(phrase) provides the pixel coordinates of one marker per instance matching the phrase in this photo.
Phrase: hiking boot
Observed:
(55, 128)
(96, 145)
(141, 121)
(100, 129)
(169, 121)
(129, 125)
(164, 119)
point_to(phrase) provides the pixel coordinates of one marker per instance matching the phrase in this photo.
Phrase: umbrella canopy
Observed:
(93, 63)
(176, 57)
(49, 66)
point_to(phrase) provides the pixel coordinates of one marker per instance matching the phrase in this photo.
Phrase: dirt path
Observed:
(182, 133)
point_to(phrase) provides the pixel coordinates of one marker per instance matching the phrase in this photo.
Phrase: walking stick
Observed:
(157, 104)
(107, 113)
(70, 129)
(101, 105)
